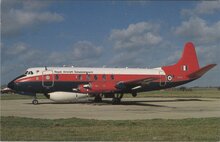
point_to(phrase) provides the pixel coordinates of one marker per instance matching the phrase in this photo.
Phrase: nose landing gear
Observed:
(35, 101)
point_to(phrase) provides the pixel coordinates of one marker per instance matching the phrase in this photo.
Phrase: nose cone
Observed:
(11, 85)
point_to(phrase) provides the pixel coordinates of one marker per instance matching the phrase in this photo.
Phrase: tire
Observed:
(35, 102)
(116, 101)
(98, 99)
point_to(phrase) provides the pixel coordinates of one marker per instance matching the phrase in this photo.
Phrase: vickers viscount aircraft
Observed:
(62, 84)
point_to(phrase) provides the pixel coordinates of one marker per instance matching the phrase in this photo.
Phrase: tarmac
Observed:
(129, 109)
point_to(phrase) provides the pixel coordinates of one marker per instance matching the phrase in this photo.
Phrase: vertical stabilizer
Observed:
(186, 65)
(188, 62)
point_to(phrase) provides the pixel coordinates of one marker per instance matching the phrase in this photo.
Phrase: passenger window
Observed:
(87, 76)
(112, 77)
(57, 77)
(79, 77)
(104, 77)
(95, 77)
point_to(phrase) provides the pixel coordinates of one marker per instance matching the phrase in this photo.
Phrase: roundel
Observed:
(169, 77)
(47, 77)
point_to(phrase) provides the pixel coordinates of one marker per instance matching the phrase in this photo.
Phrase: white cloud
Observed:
(17, 58)
(82, 53)
(85, 49)
(208, 54)
(136, 35)
(206, 35)
(204, 7)
(34, 5)
(20, 15)
(57, 58)
(126, 59)
(20, 56)
(17, 49)
(198, 30)
(22, 53)
(208, 7)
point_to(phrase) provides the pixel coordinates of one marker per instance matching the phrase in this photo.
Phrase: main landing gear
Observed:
(98, 98)
(35, 101)
(117, 98)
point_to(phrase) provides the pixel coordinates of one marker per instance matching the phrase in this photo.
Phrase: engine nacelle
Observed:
(66, 96)
(97, 87)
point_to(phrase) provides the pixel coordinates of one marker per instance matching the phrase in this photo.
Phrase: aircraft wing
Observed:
(135, 84)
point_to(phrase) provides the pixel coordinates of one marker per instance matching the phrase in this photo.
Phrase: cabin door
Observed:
(47, 78)
(163, 79)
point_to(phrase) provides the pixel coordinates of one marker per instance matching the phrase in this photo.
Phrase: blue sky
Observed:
(108, 33)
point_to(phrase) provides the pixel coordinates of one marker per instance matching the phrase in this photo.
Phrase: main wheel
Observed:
(35, 102)
(134, 94)
(116, 101)
(98, 99)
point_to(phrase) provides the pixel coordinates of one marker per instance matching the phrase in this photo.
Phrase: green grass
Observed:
(74, 129)
(195, 93)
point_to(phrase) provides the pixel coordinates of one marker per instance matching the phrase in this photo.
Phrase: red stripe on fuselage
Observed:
(74, 77)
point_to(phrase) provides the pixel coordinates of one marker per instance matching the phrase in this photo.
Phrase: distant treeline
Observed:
(183, 88)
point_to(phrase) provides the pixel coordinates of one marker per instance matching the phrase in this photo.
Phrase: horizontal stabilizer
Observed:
(201, 71)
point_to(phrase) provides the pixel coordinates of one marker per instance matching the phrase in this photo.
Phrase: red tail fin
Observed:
(188, 62)
(188, 66)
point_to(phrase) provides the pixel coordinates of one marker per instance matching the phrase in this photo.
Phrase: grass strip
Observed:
(74, 129)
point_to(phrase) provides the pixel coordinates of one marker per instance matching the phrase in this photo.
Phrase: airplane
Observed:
(63, 84)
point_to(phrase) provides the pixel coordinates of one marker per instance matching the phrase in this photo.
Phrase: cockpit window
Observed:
(29, 73)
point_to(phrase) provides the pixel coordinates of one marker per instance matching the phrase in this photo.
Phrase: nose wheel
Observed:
(35, 101)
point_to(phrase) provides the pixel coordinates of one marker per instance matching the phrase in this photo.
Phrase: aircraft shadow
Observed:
(146, 102)
(132, 103)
